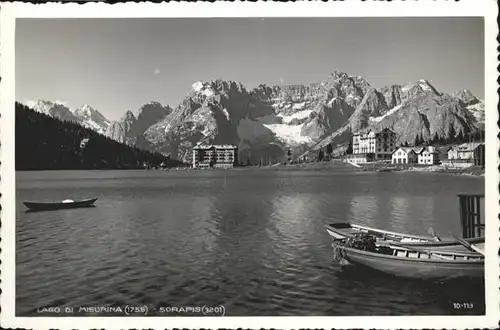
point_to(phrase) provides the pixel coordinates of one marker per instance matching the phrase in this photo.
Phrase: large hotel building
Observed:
(370, 146)
(215, 156)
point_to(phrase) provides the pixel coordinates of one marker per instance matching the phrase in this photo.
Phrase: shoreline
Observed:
(473, 171)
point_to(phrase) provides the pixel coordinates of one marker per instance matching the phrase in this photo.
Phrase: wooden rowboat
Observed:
(431, 265)
(343, 230)
(66, 204)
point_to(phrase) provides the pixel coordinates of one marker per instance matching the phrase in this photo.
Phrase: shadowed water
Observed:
(252, 241)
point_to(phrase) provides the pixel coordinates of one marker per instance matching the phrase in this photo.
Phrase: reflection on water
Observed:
(364, 210)
(253, 241)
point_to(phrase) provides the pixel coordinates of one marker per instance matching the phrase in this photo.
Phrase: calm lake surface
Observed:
(250, 240)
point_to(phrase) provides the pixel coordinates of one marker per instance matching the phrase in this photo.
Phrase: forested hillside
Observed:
(46, 143)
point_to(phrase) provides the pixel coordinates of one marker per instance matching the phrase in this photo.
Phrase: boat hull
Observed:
(341, 231)
(416, 268)
(35, 206)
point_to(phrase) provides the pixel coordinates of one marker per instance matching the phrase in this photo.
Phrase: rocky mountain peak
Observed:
(337, 74)
(466, 97)
(88, 112)
(203, 88)
(87, 108)
(92, 118)
(152, 110)
(54, 109)
(129, 115)
(268, 120)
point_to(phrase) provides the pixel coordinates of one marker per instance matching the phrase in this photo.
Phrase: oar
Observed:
(433, 233)
(416, 250)
(469, 246)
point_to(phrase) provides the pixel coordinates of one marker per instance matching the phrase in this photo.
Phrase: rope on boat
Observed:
(338, 252)
(360, 241)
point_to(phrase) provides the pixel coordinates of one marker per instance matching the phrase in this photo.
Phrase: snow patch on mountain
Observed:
(251, 130)
(406, 88)
(297, 115)
(289, 133)
(198, 86)
(203, 88)
(298, 106)
(92, 118)
(388, 113)
(329, 104)
(424, 84)
(95, 126)
(477, 111)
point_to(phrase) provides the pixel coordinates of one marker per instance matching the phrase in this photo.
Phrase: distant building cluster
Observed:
(373, 146)
(215, 156)
(416, 155)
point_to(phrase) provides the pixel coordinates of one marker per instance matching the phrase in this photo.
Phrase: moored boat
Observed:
(339, 231)
(417, 264)
(66, 204)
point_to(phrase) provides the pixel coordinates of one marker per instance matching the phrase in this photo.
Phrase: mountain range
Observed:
(267, 121)
(85, 115)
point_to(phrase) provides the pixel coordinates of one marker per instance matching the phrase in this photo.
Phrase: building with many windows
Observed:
(378, 145)
(215, 156)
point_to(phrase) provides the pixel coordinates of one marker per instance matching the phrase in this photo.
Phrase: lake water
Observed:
(252, 241)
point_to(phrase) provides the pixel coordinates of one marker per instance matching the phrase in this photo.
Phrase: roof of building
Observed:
(419, 149)
(214, 146)
(429, 149)
(386, 130)
(405, 149)
(368, 131)
(471, 146)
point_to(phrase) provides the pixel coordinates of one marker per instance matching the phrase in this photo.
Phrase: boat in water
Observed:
(66, 204)
(411, 262)
(343, 230)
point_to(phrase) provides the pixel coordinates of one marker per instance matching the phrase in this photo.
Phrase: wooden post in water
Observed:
(470, 215)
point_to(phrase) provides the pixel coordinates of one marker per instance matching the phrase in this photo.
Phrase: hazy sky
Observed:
(118, 64)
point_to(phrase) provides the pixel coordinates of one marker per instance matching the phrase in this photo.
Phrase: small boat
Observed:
(66, 204)
(416, 264)
(343, 230)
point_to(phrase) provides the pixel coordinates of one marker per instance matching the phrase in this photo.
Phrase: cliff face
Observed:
(121, 130)
(92, 118)
(129, 129)
(55, 110)
(267, 121)
(86, 115)
(417, 108)
(472, 103)
(264, 123)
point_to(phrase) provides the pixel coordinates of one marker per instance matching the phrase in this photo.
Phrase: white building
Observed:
(380, 145)
(466, 154)
(453, 152)
(466, 150)
(427, 155)
(359, 158)
(215, 156)
(404, 155)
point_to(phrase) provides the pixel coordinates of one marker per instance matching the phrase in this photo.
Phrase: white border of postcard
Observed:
(479, 8)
